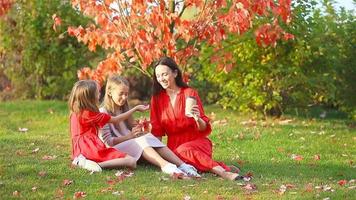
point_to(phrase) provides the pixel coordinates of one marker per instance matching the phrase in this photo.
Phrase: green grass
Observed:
(265, 149)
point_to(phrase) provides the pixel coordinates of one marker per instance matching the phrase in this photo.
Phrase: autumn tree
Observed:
(136, 33)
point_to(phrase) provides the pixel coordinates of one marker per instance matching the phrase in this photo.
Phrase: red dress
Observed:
(85, 140)
(184, 138)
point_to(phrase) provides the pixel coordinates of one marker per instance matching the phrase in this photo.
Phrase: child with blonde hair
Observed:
(88, 151)
(129, 137)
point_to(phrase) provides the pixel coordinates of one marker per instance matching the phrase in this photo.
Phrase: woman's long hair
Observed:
(109, 104)
(169, 62)
(84, 96)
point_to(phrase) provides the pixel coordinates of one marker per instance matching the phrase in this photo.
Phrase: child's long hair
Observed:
(108, 103)
(84, 96)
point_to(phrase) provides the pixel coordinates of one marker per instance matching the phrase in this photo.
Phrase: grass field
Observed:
(291, 158)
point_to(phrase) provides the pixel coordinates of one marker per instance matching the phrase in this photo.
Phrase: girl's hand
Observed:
(142, 108)
(136, 132)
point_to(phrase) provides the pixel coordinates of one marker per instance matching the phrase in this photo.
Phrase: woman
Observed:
(187, 131)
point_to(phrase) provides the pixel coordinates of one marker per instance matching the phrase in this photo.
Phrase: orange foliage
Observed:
(141, 32)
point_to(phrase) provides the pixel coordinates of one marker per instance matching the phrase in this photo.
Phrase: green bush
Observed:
(315, 68)
(39, 63)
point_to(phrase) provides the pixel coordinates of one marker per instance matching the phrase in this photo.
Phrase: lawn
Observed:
(296, 157)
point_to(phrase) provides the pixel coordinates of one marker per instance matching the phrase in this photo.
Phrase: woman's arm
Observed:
(201, 124)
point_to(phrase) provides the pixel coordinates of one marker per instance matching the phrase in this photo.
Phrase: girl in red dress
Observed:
(88, 151)
(187, 133)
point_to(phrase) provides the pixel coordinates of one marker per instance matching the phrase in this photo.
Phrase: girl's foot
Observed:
(172, 169)
(189, 170)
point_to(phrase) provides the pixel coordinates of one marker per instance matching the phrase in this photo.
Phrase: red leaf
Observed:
(57, 22)
(67, 182)
(78, 195)
(297, 157)
(342, 182)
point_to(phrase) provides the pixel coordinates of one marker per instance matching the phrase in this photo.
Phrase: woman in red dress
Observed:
(187, 135)
(88, 151)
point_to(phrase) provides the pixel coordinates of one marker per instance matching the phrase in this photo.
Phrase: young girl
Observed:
(88, 151)
(128, 137)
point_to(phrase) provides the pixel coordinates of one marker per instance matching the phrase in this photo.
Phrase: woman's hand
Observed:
(142, 108)
(195, 112)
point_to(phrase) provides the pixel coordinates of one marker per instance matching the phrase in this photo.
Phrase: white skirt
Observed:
(134, 147)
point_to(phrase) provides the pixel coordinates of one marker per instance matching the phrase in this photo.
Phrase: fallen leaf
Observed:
(212, 116)
(250, 186)
(284, 122)
(342, 182)
(23, 130)
(249, 123)
(222, 122)
(47, 157)
(42, 173)
(16, 193)
(187, 197)
(179, 176)
(280, 149)
(297, 157)
(67, 182)
(20, 153)
(241, 136)
(79, 194)
(59, 193)
(317, 157)
(309, 187)
(352, 187)
(122, 175)
(117, 193)
(108, 189)
(35, 150)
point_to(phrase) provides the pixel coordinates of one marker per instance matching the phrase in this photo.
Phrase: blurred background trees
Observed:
(316, 68)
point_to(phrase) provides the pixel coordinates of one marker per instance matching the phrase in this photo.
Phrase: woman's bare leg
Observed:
(168, 155)
(127, 161)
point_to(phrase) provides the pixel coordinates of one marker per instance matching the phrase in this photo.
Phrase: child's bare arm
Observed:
(127, 114)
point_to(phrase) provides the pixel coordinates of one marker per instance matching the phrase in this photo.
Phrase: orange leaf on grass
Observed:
(79, 194)
(342, 182)
(317, 157)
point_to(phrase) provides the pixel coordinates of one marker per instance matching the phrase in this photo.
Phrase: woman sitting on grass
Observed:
(88, 151)
(129, 137)
(177, 112)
